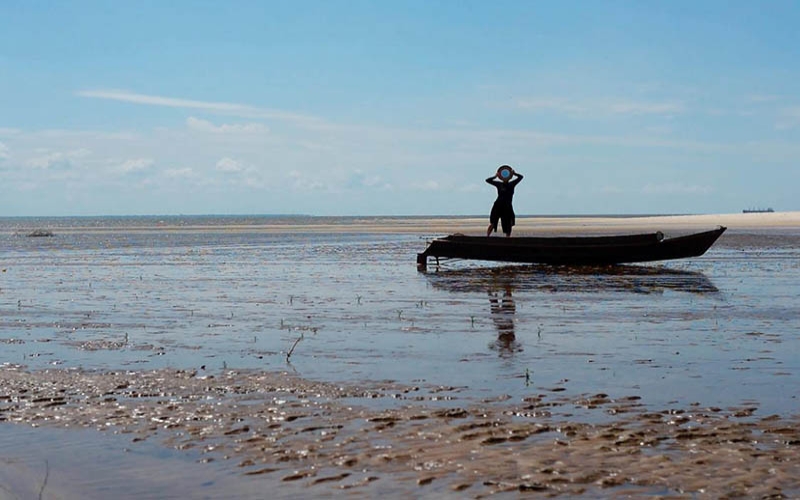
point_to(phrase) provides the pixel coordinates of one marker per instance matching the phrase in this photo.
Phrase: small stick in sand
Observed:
(289, 354)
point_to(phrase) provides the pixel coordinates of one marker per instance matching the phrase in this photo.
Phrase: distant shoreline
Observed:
(537, 224)
(335, 217)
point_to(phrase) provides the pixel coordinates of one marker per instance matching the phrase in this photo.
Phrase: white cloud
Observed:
(349, 168)
(236, 128)
(305, 182)
(58, 159)
(229, 165)
(241, 174)
(227, 108)
(179, 173)
(3, 151)
(135, 165)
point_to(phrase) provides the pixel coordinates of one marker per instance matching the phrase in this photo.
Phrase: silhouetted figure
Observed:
(504, 180)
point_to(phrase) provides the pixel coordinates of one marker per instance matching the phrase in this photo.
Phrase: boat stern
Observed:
(422, 262)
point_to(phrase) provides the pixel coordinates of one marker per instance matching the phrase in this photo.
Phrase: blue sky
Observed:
(397, 108)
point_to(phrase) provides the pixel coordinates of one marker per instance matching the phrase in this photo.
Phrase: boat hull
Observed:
(588, 250)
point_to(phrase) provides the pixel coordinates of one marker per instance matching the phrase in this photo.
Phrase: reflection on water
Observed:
(502, 309)
(501, 283)
(635, 279)
(229, 297)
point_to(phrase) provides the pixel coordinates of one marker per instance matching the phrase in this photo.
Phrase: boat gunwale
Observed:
(556, 241)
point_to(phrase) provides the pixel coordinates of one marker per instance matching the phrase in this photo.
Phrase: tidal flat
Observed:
(251, 355)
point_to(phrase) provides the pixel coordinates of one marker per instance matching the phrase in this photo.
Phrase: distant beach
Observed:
(406, 225)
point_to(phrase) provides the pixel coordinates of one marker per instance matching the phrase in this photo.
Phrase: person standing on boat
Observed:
(504, 180)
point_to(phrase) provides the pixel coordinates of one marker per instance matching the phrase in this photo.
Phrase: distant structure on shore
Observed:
(757, 210)
(41, 233)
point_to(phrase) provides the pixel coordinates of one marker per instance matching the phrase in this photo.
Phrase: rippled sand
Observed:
(337, 437)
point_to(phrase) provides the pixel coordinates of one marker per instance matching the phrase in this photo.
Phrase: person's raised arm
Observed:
(518, 178)
(490, 180)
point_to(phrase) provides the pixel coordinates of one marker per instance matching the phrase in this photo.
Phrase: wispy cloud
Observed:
(362, 167)
(304, 182)
(361, 180)
(3, 151)
(643, 108)
(57, 159)
(603, 107)
(553, 104)
(226, 128)
(134, 165)
(229, 165)
(180, 173)
(227, 108)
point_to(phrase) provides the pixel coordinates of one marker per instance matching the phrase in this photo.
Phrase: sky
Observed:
(349, 107)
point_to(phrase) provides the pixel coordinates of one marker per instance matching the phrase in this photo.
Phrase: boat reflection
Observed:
(584, 279)
(502, 282)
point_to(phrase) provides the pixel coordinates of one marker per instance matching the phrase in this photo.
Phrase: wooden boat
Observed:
(583, 250)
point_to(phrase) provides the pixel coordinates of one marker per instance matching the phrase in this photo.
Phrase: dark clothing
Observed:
(505, 190)
(504, 213)
(502, 210)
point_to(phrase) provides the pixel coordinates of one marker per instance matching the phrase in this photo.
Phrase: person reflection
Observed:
(503, 310)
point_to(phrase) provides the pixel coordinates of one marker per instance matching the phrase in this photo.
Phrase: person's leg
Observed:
(506, 223)
(512, 221)
(494, 218)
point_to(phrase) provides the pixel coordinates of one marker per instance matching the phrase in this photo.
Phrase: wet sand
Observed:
(135, 342)
(331, 437)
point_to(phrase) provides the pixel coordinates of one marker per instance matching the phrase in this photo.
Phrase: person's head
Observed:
(505, 173)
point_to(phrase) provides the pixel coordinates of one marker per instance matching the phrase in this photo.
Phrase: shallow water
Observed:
(721, 330)
(52, 463)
